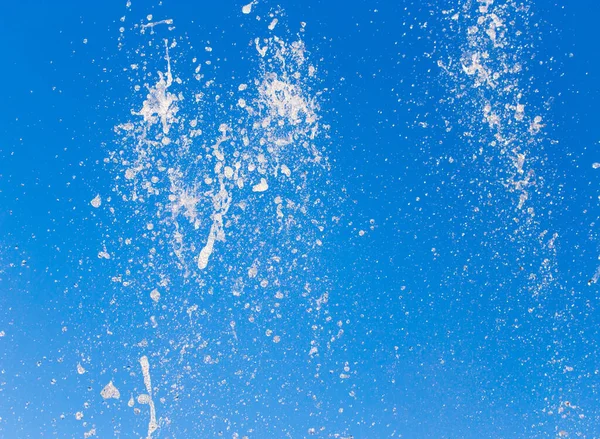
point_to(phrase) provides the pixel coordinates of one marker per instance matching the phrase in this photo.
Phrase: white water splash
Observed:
(110, 391)
(246, 9)
(280, 122)
(491, 69)
(147, 398)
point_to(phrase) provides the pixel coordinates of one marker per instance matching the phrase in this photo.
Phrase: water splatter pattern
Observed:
(262, 220)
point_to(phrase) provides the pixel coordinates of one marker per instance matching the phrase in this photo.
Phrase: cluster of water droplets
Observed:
(199, 176)
(218, 215)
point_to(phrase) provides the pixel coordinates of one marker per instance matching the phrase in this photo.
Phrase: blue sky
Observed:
(420, 260)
